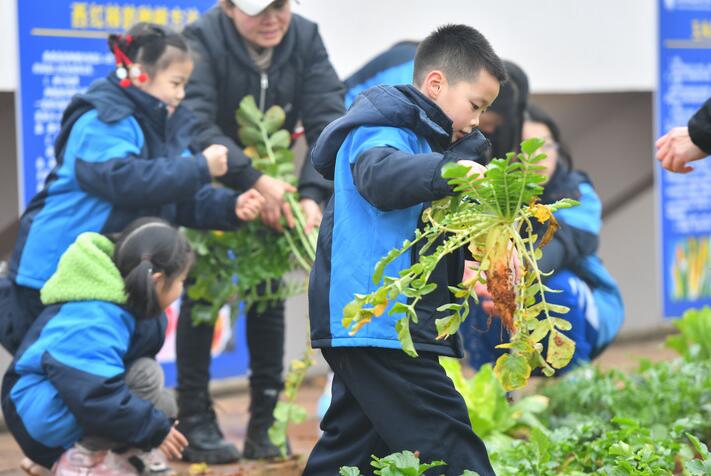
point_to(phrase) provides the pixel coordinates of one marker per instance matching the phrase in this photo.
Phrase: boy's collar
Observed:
(431, 109)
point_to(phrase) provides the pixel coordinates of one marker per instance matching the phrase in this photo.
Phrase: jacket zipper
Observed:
(264, 84)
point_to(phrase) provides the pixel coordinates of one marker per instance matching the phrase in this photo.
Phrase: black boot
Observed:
(206, 443)
(261, 409)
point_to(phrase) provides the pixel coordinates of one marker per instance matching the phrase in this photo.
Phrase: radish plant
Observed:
(493, 217)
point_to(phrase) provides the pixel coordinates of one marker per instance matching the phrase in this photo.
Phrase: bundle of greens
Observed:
(254, 263)
(493, 216)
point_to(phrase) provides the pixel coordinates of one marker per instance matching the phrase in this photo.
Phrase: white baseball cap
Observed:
(252, 7)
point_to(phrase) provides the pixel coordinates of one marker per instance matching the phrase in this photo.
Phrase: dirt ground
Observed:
(232, 412)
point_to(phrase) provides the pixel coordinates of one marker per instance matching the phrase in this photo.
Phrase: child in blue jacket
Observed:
(124, 151)
(385, 157)
(596, 308)
(84, 379)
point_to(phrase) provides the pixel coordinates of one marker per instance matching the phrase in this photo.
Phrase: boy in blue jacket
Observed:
(385, 157)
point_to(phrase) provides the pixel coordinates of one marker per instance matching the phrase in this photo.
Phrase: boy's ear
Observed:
(434, 84)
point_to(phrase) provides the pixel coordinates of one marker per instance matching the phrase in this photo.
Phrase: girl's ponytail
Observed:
(141, 291)
(148, 246)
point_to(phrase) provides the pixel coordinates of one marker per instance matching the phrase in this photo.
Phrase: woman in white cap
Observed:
(258, 48)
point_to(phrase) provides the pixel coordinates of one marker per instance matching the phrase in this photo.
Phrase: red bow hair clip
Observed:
(124, 66)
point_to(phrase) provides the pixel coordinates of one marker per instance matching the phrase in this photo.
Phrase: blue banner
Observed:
(62, 48)
(684, 199)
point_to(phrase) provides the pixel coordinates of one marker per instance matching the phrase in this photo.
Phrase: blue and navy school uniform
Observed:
(385, 157)
(596, 308)
(120, 156)
(67, 380)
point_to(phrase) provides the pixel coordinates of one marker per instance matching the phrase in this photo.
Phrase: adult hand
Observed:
(249, 204)
(273, 191)
(173, 444)
(675, 150)
(312, 213)
(216, 156)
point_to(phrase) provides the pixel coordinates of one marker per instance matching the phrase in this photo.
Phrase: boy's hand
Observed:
(249, 204)
(173, 444)
(273, 191)
(312, 213)
(216, 156)
(474, 167)
(675, 150)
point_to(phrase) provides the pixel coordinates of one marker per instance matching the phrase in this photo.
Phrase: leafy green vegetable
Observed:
(490, 412)
(254, 264)
(493, 217)
(693, 341)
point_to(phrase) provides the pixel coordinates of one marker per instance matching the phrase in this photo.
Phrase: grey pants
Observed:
(145, 380)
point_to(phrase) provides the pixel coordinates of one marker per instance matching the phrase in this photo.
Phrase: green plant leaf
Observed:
(402, 327)
(274, 119)
(249, 135)
(512, 370)
(349, 471)
(560, 350)
(248, 112)
(452, 170)
(280, 139)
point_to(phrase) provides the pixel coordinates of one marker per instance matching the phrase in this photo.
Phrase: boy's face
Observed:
(464, 101)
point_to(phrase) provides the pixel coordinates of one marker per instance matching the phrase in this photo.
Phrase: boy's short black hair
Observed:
(460, 52)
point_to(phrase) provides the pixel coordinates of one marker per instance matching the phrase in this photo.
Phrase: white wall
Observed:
(564, 45)
(8, 45)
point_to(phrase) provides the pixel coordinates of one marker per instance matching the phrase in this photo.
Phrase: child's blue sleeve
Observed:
(211, 208)
(391, 170)
(86, 367)
(107, 165)
(578, 232)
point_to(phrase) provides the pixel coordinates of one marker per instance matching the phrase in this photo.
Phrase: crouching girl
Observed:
(84, 394)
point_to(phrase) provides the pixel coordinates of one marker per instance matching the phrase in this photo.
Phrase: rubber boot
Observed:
(261, 410)
(198, 422)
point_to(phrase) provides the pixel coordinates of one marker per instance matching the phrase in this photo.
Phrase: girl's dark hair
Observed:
(535, 113)
(154, 46)
(147, 246)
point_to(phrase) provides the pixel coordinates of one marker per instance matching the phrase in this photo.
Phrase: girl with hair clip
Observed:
(596, 308)
(123, 152)
(85, 381)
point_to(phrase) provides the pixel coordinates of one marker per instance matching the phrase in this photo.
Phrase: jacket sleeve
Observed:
(91, 383)
(321, 103)
(387, 172)
(212, 208)
(700, 127)
(202, 98)
(107, 165)
(578, 235)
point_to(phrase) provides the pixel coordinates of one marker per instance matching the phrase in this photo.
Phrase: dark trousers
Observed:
(383, 402)
(265, 340)
(19, 307)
